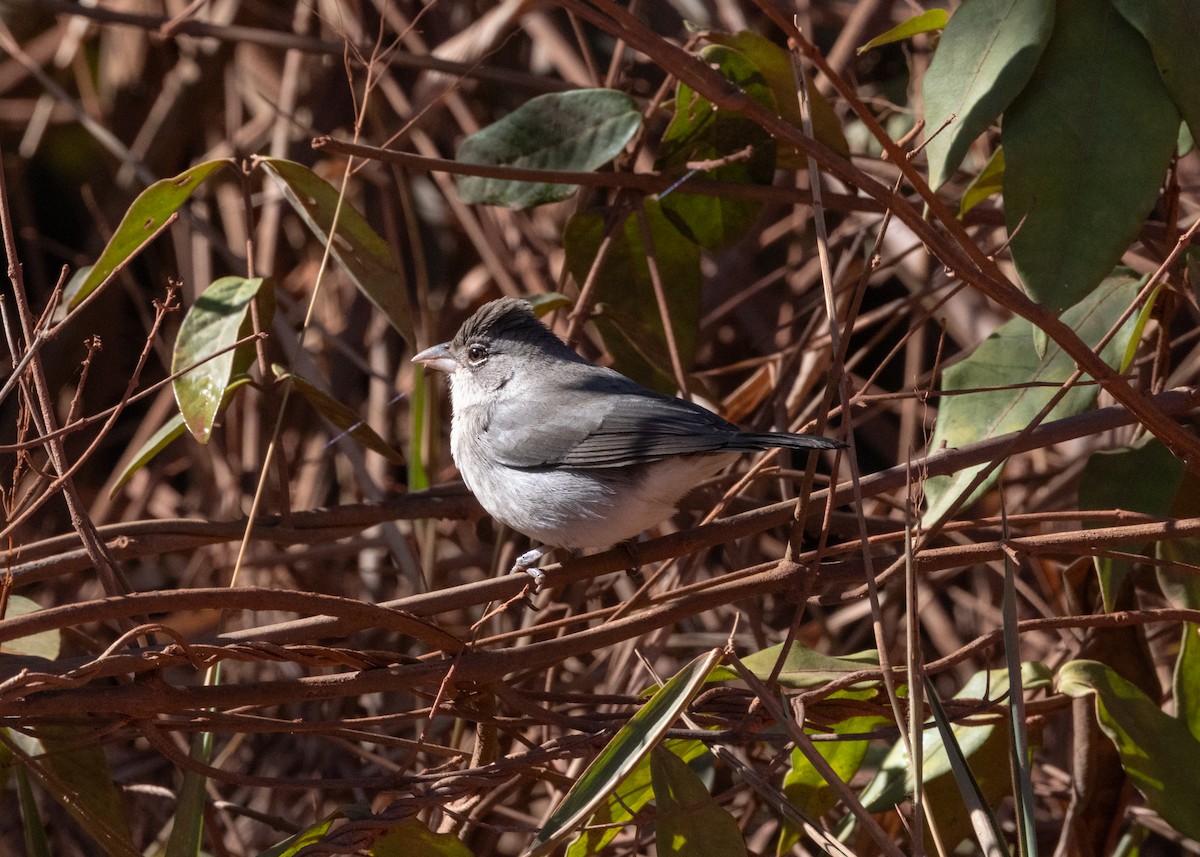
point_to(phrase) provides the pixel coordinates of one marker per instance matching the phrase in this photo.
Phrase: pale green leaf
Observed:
(575, 131)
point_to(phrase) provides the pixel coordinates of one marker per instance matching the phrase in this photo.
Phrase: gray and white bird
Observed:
(569, 453)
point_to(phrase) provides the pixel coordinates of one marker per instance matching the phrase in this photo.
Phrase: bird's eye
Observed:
(476, 353)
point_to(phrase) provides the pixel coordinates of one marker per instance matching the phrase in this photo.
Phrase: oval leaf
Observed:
(984, 59)
(688, 821)
(142, 221)
(701, 132)
(1086, 146)
(214, 322)
(628, 747)
(629, 798)
(358, 249)
(44, 644)
(629, 319)
(775, 65)
(1159, 753)
(1116, 480)
(803, 668)
(1171, 27)
(1000, 372)
(577, 131)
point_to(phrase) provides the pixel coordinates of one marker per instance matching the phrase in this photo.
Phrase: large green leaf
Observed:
(632, 743)
(1186, 681)
(628, 799)
(412, 838)
(1172, 28)
(1086, 147)
(1159, 753)
(1141, 478)
(775, 65)
(44, 644)
(358, 249)
(142, 221)
(80, 780)
(219, 318)
(576, 131)
(628, 310)
(985, 57)
(701, 132)
(1004, 374)
(803, 668)
(985, 747)
(688, 821)
(806, 788)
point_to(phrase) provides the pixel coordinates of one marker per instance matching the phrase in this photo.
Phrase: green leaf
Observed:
(775, 65)
(293, 844)
(1117, 480)
(985, 747)
(984, 59)
(688, 822)
(187, 828)
(360, 251)
(1144, 315)
(1007, 359)
(1186, 681)
(411, 838)
(628, 315)
(803, 669)
(926, 22)
(629, 746)
(1159, 753)
(701, 132)
(172, 429)
(44, 644)
(1178, 578)
(220, 316)
(547, 303)
(91, 795)
(1172, 29)
(977, 802)
(341, 416)
(990, 181)
(142, 221)
(628, 799)
(160, 440)
(32, 825)
(805, 787)
(577, 131)
(1086, 145)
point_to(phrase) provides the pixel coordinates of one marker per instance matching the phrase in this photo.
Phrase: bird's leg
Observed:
(635, 566)
(527, 562)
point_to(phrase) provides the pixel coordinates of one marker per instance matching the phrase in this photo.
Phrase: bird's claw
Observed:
(527, 563)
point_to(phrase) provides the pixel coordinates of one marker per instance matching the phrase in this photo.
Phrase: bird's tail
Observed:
(748, 441)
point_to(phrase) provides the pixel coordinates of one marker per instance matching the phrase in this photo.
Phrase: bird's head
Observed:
(503, 340)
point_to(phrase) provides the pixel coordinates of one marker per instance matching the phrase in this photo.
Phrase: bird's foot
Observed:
(527, 563)
(634, 571)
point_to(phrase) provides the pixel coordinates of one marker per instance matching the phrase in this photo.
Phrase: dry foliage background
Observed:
(352, 613)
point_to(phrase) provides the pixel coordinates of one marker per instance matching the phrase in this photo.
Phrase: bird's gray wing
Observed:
(599, 420)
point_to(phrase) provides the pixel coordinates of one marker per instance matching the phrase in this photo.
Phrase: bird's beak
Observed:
(438, 357)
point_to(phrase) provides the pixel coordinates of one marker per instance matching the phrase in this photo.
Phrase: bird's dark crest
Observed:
(505, 317)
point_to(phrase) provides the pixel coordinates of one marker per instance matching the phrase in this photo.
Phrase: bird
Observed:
(570, 453)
